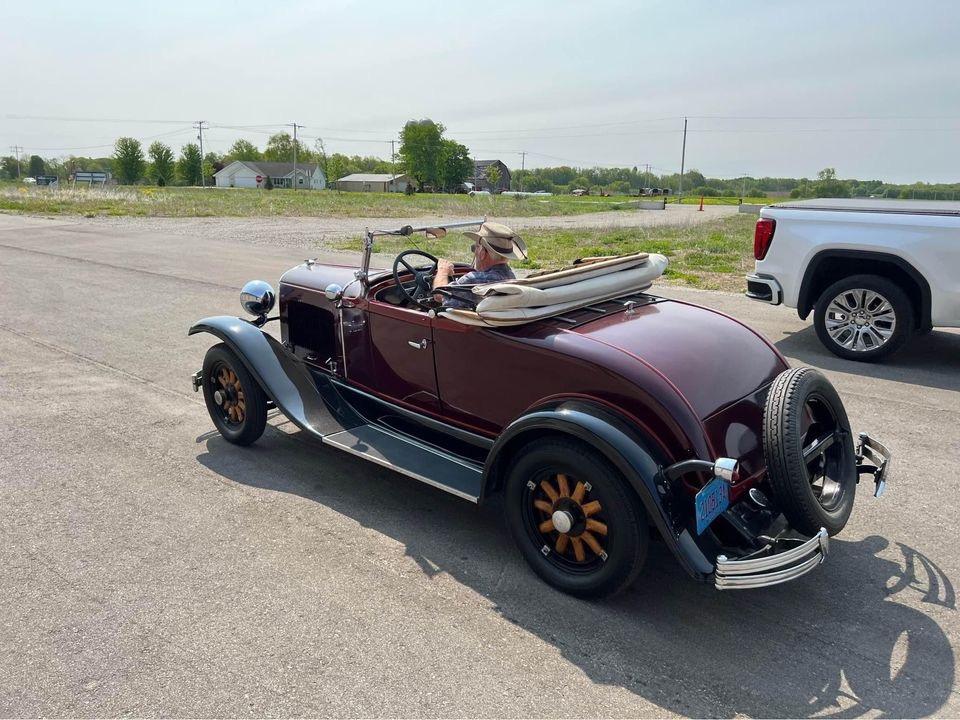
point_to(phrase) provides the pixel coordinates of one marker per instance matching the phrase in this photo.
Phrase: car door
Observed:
(401, 355)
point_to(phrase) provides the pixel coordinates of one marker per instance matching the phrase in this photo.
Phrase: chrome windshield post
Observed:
(364, 272)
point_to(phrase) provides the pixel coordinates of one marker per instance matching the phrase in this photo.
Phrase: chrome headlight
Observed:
(257, 297)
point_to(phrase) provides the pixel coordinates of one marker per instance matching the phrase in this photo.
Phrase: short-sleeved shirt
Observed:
(498, 273)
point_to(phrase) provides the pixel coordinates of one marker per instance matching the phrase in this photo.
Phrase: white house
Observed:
(375, 182)
(244, 174)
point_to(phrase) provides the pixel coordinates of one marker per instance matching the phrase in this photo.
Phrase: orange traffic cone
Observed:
(700, 209)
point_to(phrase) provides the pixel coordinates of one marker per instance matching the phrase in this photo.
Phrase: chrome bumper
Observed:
(772, 569)
(764, 289)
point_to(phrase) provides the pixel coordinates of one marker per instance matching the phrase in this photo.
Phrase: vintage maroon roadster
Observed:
(599, 417)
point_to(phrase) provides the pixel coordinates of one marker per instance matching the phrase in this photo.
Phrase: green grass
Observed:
(223, 202)
(713, 255)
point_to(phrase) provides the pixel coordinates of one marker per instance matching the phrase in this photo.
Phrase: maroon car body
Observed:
(662, 388)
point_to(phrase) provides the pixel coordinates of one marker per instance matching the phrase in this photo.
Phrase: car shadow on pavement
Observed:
(932, 360)
(857, 636)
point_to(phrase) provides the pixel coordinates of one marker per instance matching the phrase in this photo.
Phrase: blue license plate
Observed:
(711, 501)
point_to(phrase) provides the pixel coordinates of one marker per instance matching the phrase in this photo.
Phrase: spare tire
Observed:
(811, 460)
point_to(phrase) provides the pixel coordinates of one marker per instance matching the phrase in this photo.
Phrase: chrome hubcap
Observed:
(860, 320)
(562, 521)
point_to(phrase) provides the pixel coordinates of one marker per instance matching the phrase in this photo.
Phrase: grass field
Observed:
(713, 255)
(224, 202)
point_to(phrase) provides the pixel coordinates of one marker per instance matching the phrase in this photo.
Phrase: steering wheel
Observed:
(418, 290)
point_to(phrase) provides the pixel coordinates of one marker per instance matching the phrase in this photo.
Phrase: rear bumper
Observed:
(772, 569)
(764, 289)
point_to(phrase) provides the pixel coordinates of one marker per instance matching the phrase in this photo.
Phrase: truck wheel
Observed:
(235, 401)
(809, 450)
(575, 520)
(863, 317)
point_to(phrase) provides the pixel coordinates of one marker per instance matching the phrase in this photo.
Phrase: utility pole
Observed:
(17, 149)
(295, 126)
(393, 159)
(199, 126)
(683, 159)
(523, 167)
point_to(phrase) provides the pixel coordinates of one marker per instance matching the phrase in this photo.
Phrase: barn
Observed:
(481, 177)
(244, 174)
(375, 182)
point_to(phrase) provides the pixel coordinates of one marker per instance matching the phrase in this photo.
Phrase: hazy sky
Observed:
(771, 88)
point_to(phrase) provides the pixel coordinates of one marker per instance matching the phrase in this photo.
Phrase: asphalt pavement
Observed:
(149, 568)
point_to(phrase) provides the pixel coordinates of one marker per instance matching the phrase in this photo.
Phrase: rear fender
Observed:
(632, 454)
(283, 377)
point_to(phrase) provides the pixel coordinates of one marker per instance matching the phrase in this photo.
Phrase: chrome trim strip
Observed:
(772, 569)
(746, 567)
(767, 579)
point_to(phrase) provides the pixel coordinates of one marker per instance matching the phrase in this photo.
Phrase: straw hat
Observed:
(501, 240)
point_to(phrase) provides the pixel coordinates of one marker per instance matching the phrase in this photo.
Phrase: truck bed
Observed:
(875, 205)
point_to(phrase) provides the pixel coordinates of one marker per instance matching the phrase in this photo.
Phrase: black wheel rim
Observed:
(822, 440)
(228, 395)
(583, 548)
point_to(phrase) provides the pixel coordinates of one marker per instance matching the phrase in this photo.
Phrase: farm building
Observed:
(480, 177)
(375, 182)
(244, 174)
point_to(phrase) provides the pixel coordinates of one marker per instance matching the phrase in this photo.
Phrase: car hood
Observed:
(712, 359)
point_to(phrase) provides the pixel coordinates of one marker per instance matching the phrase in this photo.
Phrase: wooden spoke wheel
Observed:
(229, 394)
(575, 519)
(235, 401)
(569, 521)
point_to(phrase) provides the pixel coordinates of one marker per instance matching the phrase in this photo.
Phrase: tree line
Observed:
(440, 164)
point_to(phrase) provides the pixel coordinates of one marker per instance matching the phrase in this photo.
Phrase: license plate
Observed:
(711, 501)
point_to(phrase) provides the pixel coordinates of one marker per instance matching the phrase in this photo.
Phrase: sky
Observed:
(769, 88)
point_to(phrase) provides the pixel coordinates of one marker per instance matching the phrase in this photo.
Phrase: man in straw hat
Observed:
(492, 247)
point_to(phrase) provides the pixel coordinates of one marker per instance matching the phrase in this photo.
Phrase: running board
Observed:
(411, 458)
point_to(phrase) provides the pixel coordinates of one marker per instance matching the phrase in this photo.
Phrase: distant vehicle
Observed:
(580, 192)
(478, 192)
(29, 180)
(874, 272)
(49, 180)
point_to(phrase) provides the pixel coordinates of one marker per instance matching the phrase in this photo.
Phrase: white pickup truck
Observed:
(874, 272)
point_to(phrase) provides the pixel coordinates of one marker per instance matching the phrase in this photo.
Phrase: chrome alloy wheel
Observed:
(860, 320)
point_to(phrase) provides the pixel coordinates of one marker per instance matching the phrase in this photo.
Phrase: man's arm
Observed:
(443, 277)
(444, 274)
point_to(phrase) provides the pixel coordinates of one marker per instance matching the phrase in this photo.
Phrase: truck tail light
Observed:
(763, 236)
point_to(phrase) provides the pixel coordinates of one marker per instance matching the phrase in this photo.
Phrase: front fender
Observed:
(631, 453)
(283, 377)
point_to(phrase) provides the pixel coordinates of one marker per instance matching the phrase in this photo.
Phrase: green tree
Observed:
(493, 176)
(8, 167)
(189, 166)
(243, 150)
(827, 185)
(455, 165)
(36, 166)
(128, 163)
(280, 149)
(162, 163)
(421, 147)
(211, 163)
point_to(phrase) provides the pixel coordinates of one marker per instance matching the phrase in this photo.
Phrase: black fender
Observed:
(282, 375)
(621, 443)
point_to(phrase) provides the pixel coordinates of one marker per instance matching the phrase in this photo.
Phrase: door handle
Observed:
(420, 344)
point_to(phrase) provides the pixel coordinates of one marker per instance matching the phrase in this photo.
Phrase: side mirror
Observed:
(333, 292)
(257, 298)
